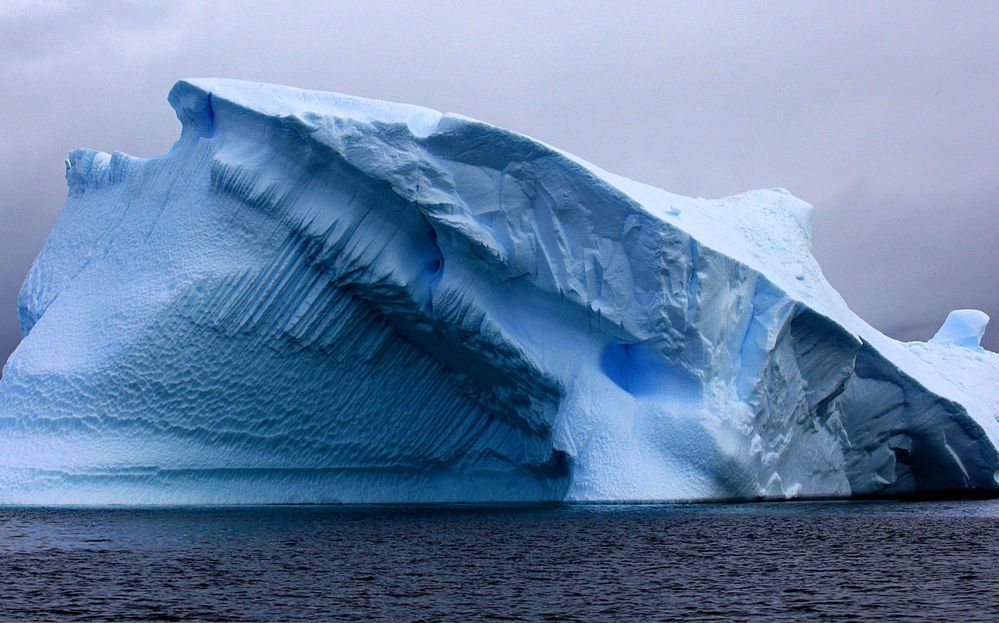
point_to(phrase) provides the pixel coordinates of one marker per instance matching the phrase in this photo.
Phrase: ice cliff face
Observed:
(318, 298)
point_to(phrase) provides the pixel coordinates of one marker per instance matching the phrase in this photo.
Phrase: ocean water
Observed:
(801, 561)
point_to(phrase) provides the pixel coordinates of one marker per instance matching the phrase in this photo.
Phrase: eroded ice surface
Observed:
(315, 297)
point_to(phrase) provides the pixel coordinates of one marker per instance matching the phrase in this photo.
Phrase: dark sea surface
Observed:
(801, 561)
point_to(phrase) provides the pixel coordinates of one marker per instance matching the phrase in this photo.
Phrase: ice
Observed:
(315, 298)
(963, 327)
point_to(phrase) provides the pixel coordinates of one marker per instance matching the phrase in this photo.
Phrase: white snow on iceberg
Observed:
(317, 298)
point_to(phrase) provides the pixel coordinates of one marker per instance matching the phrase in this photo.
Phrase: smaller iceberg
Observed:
(963, 327)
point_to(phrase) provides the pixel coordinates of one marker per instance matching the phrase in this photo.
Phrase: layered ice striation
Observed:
(320, 298)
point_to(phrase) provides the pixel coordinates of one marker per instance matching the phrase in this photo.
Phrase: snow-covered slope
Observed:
(314, 298)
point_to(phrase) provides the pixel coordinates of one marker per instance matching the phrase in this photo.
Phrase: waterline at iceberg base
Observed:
(320, 298)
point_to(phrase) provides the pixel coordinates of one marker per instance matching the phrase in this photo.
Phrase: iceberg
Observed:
(320, 298)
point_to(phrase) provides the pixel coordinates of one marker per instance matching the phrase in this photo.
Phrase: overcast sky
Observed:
(885, 116)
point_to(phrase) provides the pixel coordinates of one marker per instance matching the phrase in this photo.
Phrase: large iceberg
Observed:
(319, 298)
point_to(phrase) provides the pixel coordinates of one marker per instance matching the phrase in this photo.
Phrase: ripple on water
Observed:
(784, 562)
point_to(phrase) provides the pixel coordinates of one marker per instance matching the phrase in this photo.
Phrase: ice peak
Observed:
(193, 100)
(963, 327)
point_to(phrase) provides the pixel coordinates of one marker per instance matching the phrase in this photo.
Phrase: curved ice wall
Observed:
(317, 298)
